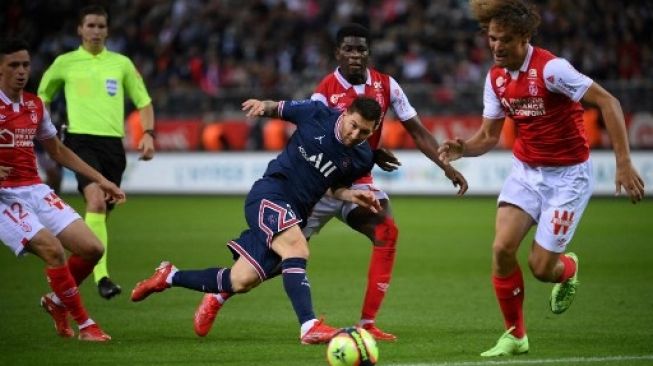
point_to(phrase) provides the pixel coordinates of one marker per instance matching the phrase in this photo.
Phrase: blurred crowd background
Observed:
(201, 58)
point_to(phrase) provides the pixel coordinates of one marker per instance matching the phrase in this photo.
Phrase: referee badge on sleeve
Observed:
(112, 86)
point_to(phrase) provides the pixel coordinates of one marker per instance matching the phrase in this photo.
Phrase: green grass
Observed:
(441, 303)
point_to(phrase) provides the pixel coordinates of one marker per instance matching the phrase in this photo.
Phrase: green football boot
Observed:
(508, 345)
(563, 293)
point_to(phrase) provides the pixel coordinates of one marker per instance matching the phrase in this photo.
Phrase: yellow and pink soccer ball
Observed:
(352, 346)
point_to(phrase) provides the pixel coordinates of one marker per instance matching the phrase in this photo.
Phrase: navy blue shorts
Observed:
(265, 217)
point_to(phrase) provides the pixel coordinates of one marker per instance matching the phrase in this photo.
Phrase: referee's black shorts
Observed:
(104, 153)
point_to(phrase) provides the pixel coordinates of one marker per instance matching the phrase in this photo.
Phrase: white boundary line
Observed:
(525, 361)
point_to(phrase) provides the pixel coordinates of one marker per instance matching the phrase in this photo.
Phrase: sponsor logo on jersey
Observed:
(524, 107)
(570, 88)
(112, 86)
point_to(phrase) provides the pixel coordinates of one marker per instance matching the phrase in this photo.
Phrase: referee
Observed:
(95, 82)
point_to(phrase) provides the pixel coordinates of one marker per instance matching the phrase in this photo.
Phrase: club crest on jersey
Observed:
(30, 104)
(532, 74)
(377, 85)
(34, 118)
(532, 89)
(500, 81)
(335, 97)
(112, 86)
(2, 118)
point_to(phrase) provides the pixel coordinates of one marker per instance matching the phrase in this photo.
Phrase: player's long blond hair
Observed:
(519, 16)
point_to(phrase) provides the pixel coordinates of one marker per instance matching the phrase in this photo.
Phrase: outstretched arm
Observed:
(427, 144)
(362, 198)
(483, 141)
(627, 176)
(64, 156)
(261, 108)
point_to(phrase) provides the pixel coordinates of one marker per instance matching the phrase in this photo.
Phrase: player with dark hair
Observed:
(353, 78)
(327, 152)
(32, 217)
(551, 179)
(95, 81)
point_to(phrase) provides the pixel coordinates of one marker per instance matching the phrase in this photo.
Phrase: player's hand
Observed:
(386, 160)
(365, 199)
(112, 193)
(628, 178)
(253, 107)
(146, 146)
(457, 179)
(5, 171)
(451, 150)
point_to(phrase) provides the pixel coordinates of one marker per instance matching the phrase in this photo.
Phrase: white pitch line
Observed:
(525, 361)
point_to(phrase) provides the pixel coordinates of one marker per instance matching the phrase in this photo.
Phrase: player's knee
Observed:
(504, 251)
(386, 233)
(95, 199)
(243, 282)
(540, 269)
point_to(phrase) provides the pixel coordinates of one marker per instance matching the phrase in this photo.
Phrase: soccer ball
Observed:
(352, 346)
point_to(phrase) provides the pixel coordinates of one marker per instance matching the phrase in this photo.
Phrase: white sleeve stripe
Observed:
(280, 108)
(320, 98)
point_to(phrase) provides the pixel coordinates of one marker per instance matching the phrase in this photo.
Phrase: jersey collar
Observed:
(83, 51)
(346, 84)
(5, 99)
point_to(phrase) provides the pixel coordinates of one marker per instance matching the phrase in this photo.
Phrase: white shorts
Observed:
(329, 207)
(24, 211)
(555, 197)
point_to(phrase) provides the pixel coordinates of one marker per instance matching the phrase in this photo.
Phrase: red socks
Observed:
(510, 293)
(79, 268)
(63, 285)
(569, 269)
(380, 272)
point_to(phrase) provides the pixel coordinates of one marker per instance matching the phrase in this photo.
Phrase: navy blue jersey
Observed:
(314, 159)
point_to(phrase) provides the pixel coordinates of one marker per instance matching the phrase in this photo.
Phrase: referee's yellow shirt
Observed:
(94, 88)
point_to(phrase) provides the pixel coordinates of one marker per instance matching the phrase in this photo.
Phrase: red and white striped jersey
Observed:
(336, 92)
(542, 98)
(20, 124)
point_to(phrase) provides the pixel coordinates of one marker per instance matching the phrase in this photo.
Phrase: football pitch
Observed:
(440, 303)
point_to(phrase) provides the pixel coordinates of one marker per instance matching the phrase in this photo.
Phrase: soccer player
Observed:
(95, 81)
(351, 79)
(327, 152)
(32, 217)
(551, 179)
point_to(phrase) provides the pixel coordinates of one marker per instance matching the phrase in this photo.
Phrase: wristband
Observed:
(150, 132)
